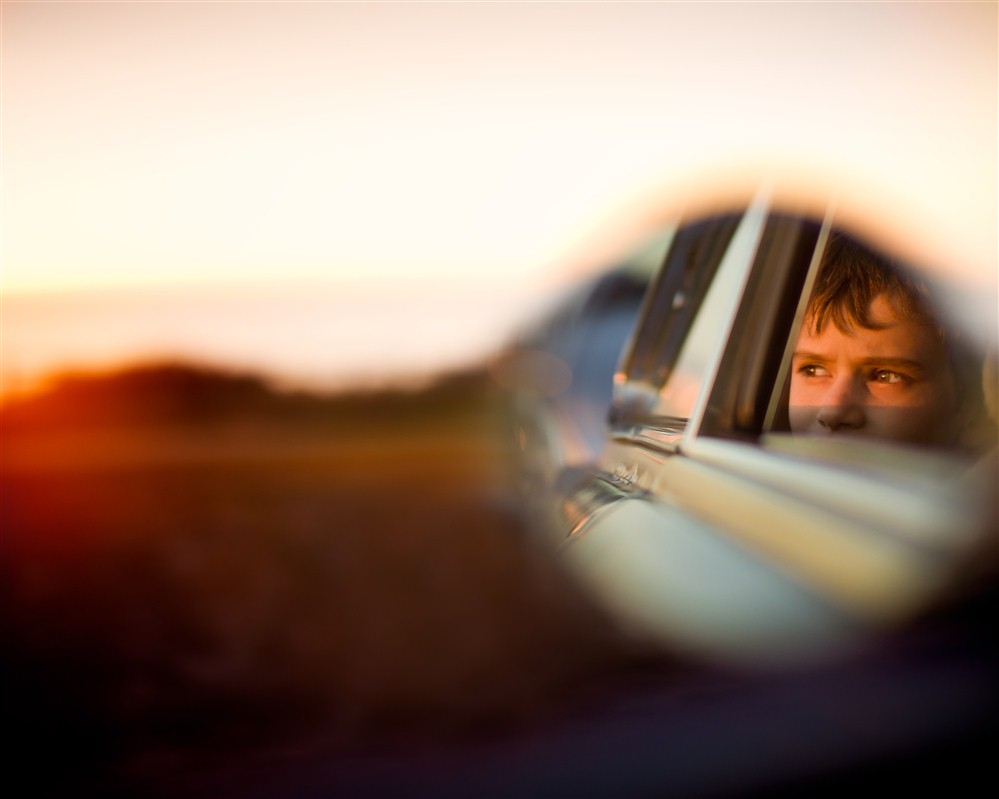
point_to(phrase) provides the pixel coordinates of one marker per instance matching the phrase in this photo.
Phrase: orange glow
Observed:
(440, 144)
(319, 336)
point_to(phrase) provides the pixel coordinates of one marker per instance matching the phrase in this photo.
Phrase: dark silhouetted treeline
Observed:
(184, 393)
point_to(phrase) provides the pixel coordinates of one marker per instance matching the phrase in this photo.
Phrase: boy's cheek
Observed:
(914, 424)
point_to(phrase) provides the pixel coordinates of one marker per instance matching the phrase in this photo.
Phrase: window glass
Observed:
(693, 371)
(674, 297)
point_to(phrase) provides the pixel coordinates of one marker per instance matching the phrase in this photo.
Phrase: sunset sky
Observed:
(332, 190)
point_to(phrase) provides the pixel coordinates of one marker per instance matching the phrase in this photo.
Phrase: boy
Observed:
(871, 359)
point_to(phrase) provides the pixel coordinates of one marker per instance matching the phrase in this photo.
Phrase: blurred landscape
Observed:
(214, 588)
(197, 566)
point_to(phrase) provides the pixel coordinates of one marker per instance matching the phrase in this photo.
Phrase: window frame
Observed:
(739, 393)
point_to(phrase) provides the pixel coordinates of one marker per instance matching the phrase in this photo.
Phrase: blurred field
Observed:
(196, 567)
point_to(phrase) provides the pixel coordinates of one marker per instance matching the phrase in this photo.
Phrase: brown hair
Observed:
(851, 277)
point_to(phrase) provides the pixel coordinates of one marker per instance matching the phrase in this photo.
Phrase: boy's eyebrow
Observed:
(811, 356)
(900, 363)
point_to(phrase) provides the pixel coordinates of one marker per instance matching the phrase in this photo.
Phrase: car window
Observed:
(693, 370)
(747, 396)
(671, 304)
(703, 351)
(872, 355)
(715, 346)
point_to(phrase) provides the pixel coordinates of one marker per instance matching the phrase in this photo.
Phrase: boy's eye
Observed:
(888, 376)
(813, 370)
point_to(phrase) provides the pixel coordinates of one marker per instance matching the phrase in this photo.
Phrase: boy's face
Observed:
(893, 383)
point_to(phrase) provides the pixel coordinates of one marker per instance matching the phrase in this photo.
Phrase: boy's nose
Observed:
(842, 406)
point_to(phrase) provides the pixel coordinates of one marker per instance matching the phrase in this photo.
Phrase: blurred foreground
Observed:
(212, 589)
(194, 565)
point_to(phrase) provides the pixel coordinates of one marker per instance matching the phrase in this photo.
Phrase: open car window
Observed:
(680, 398)
(714, 349)
(702, 358)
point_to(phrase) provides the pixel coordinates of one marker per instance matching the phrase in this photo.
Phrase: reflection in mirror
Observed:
(792, 410)
(873, 359)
